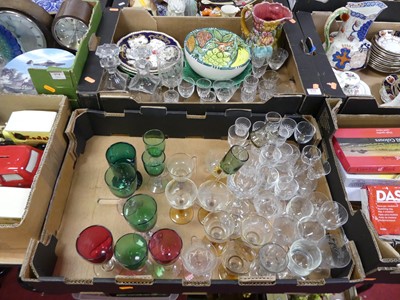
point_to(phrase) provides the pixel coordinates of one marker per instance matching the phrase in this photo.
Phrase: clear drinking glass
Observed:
(278, 58)
(248, 95)
(181, 192)
(256, 230)
(234, 138)
(299, 207)
(242, 126)
(199, 259)
(310, 228)
(285, 230)
(219, 226)
(258, 71)
(289, 124)
(236, 260)
(273, 258)
(224, 89)
(335, 253)
(304, 132)
(250, 83)
(186, 87)
(304, 257)
(332, 215)
(203, 87)
(267, 205)
(209, 98)
(170, 70)
(271, 75)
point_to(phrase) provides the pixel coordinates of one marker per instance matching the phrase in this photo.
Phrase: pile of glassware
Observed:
(261, 211)
(170, 70)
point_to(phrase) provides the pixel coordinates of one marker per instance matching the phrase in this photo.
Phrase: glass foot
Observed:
(168, 271)
(181, 216)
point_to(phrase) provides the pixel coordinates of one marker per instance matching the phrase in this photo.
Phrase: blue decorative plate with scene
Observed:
(51, 6)
(9, 46)
(15, 78)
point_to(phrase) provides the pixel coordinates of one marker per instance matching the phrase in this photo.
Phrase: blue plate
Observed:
(15, 76)
(51, 6)
(9, 46)
(154, 38)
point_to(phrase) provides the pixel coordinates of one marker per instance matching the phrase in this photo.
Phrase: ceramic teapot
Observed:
(348, 49)
(268, 20)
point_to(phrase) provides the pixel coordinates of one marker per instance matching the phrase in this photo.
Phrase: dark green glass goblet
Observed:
(123, 152)
(121, 179)
(233, 160)
(154, 140)
(140, 211)
(131, 252)
(154, 167)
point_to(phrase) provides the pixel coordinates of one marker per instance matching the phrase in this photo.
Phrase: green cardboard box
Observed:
(64, 81)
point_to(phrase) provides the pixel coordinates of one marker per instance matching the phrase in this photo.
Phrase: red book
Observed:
(368, 150)
(384, 208)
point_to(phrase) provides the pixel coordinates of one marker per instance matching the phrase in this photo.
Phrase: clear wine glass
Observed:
(170, 68)
(181, 192)
(186, 87)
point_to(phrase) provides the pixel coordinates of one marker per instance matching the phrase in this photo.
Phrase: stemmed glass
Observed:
(213, 193)
(108, 54)
(272, 259)
(181, 192)
(200, 260)
(304, 132)
(165, 247)
(95, 245)
(153, 159)
(219, 227)
(140, 211)
(170, 67)
(186, 87)
(131, 252)
(236, 260)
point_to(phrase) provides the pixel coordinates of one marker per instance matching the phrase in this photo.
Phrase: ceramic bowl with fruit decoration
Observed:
(215, 53)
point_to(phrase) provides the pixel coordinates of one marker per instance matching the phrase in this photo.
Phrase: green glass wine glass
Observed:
(140, 211)
(121, 179)
(154, 140)
(131, 253)
(123, 152)
(154, 167)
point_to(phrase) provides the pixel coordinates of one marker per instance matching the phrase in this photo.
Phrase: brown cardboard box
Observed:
(81, 198)
(15, 238)
(117, 24)
(379, 259)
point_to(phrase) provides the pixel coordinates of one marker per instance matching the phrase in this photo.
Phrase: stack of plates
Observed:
(385, 51)
(155, 41)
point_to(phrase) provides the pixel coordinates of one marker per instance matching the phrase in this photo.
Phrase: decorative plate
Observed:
(51, 6)
(389, 40)
(9, 46)
(188, 72)
(15, 76)
(156, 40)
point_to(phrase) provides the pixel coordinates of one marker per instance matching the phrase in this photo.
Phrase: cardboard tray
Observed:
(15, 237)
(64, 81)
(379, 259)
(312, 25)
(80, 199)
(118, 23)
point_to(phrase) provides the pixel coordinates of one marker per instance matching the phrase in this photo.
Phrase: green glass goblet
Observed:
(140, 211)
(123, 152)
(233, 160)
(131, 252)
(121, 179)
(154, 140)
(154, 167)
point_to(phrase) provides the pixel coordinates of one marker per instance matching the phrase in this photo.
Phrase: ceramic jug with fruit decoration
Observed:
(268, 20)
(348, 49)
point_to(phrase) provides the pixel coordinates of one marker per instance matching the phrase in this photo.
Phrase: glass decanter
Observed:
(114, 79)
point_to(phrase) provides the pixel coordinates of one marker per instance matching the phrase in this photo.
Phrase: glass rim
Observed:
(137, 195)
(154, 130)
